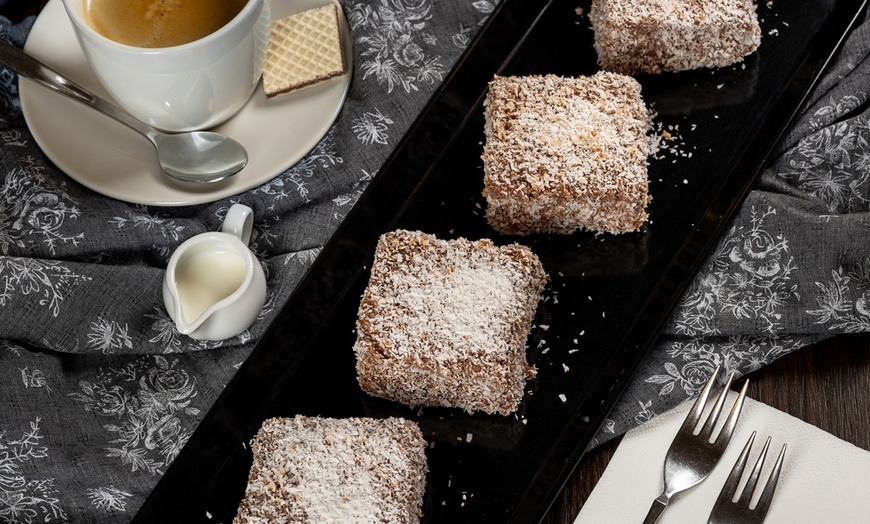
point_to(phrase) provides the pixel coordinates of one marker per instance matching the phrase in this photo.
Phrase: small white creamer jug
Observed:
(214, 286)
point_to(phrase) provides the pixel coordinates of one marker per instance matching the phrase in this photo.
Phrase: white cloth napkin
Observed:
(824, 479)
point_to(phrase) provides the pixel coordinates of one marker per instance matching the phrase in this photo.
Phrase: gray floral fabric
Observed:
(98, 392)
(793, 269)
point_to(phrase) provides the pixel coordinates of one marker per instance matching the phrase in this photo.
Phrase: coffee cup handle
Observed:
(239, 222)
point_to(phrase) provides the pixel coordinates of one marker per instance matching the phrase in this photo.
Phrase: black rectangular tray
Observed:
(608, 296)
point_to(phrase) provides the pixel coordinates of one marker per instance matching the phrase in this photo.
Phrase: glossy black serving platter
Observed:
(607, 299)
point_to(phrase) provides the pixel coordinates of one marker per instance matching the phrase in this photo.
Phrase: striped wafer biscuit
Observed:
(304, 49)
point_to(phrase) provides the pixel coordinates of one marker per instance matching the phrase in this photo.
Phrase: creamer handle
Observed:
(239, 222)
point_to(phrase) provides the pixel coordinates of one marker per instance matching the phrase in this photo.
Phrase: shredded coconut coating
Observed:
(445, 322)
(317, 470)
(652, 36)
(563, 154)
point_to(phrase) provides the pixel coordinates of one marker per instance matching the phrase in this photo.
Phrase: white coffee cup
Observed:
(185, 87)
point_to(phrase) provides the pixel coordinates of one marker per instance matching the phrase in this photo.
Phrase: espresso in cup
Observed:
(158, 23)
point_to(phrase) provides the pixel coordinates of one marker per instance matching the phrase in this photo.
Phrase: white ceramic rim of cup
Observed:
(73, 12)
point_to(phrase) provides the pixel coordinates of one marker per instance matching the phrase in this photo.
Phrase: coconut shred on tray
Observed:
(560, 155)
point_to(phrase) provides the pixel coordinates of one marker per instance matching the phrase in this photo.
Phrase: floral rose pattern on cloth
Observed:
(396, 44)
(146, 403)
(139, 217)
(748, 277)
(754, 300)
(23, 499)
(109, 498)
(35, 209)
(46, 281)
(91, 366)
(833, 165)
(844, 301)
(372, 127)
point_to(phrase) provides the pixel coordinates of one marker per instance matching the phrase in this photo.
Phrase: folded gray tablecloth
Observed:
(793, 269)
(98, 392)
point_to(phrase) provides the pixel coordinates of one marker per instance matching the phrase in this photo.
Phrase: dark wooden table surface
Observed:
(826, 385)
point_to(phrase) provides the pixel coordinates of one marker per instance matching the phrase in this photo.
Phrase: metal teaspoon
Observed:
(197, 156)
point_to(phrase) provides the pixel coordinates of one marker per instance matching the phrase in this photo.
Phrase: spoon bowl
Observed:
(195, 156)
(199, 156)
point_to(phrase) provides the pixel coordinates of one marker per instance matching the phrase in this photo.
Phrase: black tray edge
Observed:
(189, 477)
(407, 157)
(612, 383)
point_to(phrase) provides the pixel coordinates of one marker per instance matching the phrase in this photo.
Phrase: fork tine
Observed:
(724, 436)
(707, 431)
(769, 488)
(729, 490)
(749, 489)
(732, 506)
(695, 413)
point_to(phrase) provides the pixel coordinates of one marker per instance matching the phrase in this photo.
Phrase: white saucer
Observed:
(113, 160)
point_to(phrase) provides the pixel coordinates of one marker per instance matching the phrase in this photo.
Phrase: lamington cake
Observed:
(563, 154)
(309, 470)
(445, 322)
(652, 36)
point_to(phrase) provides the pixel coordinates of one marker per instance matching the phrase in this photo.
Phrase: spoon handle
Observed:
(27, 66)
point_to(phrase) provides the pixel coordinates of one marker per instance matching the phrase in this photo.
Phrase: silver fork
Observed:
(691, 456)
(726, 511)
